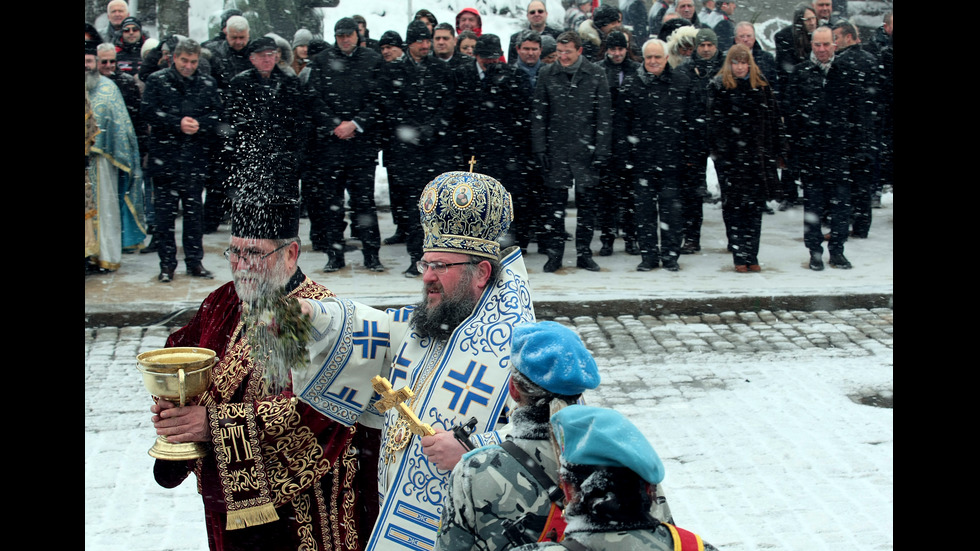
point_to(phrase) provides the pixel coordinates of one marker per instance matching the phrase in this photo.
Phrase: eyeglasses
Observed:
(250, 256)
(438, 267)
(131, 30)
(107, 61)
(535, 12)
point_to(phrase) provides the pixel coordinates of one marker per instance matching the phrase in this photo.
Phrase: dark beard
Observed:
(441, 321)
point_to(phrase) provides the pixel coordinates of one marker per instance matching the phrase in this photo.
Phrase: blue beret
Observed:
(603, 437)
(553, 357)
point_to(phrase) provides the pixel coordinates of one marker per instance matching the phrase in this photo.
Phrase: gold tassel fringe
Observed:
(252, 516)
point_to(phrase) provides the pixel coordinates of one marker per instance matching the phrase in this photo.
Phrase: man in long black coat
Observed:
(826, 128)
(347, 116)
(492, 125)
(660, 107)
(571, 136)
(865, 65)
(183, 109)
(267, 112)
(419, 101)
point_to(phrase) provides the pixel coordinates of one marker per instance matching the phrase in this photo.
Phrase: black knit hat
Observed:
(616, 39)
(390, 38)
(131, 21)
(417, 30)
(91, 47)
(262, 44)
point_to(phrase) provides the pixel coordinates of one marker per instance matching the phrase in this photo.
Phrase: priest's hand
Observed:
(442, 449)
(181, 424)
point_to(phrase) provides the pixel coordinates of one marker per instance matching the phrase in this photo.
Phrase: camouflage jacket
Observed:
(655, 539)
(493, 501)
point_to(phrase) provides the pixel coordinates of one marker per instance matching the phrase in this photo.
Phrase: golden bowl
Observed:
(177, 373)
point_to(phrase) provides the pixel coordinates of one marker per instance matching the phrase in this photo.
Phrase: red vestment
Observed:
(321, 476)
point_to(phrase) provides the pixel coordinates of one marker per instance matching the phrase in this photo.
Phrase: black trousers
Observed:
(826, 192)
(862, 192)
(743, 224)
(551, 228)
(169, 194)
(658, 214)
(358, 182)
(617, 206)
(693, 190)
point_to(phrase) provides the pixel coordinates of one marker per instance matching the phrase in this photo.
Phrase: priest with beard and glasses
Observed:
(305, 481)
(446, 358)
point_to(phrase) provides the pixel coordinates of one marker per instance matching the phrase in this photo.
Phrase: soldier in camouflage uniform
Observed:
(494, 502)
(603, 454)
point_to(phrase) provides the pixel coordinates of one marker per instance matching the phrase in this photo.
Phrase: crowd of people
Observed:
(624, 105)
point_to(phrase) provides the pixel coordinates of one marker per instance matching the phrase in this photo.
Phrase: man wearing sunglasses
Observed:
(128, 48)
(300, 457)
(451, 349)
(537, 20)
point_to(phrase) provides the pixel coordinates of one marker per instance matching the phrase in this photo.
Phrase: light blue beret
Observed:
(602, 437)
(553, 357)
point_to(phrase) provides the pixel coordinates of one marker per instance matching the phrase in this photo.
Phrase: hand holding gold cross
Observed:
(391, 398)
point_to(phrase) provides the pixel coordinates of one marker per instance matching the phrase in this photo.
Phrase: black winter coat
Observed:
(572, 119)
(493, 120)
(344, 88)
(745, 136)
(662, 117)
(419, 102)
(268, 129)
(167, 98)
(826, 117)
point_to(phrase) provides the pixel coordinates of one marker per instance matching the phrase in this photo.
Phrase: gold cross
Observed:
(396, 399)
(472, 162)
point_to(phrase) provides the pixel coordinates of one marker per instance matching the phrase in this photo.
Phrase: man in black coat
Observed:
(230, 56)
(183, 109)
(850, 50)
(827, 129)
(266, 110)
(660, 107)
(492, 126)
(347, 117)
(571, 137)
(419, 100)
(617, 205)
(745, 34)
(703, 65)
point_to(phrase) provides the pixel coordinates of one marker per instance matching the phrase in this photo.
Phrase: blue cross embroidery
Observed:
(370, 340)
(466, 390)
(346, 395)
(400, 362)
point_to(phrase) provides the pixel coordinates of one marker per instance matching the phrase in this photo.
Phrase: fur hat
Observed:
(488, 47)
(465, 212)
(603, 437)
(605, 14)
(553, 357)
(616, 39)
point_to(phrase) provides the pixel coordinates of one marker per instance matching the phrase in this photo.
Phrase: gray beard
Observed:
(441, 321)
(91, 81)
(265, 284)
